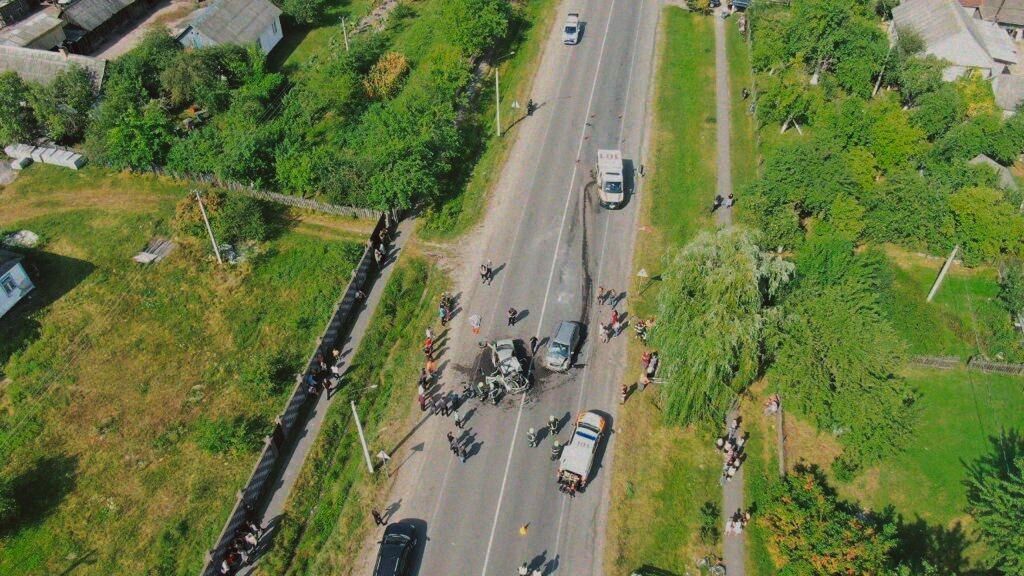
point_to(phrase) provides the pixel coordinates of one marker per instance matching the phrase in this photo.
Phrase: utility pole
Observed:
(942, 273)
(497, 102)
(362, 438)
(206, 220)
(344, 32)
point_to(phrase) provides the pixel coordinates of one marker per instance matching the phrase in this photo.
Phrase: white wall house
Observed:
(240, 22)
(14, 282)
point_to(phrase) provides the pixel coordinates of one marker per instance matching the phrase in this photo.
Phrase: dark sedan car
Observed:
(395, 548)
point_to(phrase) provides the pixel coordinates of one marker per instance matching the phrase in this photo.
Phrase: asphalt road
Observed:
(552, 246)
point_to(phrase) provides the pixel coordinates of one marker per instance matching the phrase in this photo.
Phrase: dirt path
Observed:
(734, 545)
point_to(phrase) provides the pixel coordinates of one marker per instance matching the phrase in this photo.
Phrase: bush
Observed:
(139, 141)
(907, 210)
(476, 25)
(987, 227)
(938, 111)
(304, 11)
(233, 217)
(63, 106)
(386, 76)
(17, 123)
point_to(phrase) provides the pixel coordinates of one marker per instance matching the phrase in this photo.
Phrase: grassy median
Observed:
(664, 475)
(328, 511)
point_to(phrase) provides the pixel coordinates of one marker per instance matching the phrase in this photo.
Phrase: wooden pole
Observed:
(942, 274)
(344, 32)
(206, 220)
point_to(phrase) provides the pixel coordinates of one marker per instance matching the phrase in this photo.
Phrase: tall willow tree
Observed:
(713, 308)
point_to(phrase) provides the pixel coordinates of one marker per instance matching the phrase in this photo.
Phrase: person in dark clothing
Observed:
(513, 314)
(533, 345)
(377, 518)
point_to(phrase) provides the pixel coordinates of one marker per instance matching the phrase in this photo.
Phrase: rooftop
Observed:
(43, 66)
(234, 21)
(1009, 91)
(1003, 11)
(90, 14)
(29, 30)
(950, 32)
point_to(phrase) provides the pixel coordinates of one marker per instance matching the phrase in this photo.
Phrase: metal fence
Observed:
(940, 362)
(973, 363)
(286, 199)
(998, 367)
(296, 411)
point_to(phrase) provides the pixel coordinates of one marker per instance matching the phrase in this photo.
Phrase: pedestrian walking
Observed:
(533, 345)
(474, 323)
(430, 333)
(734, 426)
(531, 438)
(524, 570)
(513, 314)
(377, 518)
(451, 438)
(458, 419)
(717, 202)
(729, 201)
(463, 454)
(483, 273)
(615, 321)
(602, 295)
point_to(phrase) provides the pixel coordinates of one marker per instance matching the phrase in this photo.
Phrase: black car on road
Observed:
(395, 549)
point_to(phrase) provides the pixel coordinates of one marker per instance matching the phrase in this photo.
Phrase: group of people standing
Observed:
(243, 545)
(737, 522)
(731, 446)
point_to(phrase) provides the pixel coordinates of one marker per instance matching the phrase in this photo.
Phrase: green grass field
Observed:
(743, 145)
(964, 319)
(658, 490)
(327, 514)
(134, 399)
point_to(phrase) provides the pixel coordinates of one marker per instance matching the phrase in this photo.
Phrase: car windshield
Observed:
(570, 29)
(396, 539)
(613, 187)
(559, 350)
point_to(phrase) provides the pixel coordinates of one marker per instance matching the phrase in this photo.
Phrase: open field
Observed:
(328, 513)
(670, 473)
(134, 399)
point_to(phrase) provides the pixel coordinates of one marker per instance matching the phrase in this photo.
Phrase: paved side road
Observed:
(307, 436)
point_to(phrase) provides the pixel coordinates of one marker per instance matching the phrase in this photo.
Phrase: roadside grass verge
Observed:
(670, 473)
(133, 399)
(742, 142)
(466, 201)
(327, 514)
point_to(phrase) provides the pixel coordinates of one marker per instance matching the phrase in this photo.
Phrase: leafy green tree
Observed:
(195, 79)
(305, 11)
(978, 135)
(197, 153)
(938, 111)
(1011, 291)
(816, 534)
(919, 76)
(17, 122)
(786, 95)
(838, 355)
(894, 142)
(140, 140)
(846, 217)
(987, 227)
(995, 498)
(716, 297)
(8, 504)
(908, 210)
(156, 52)
(475, 25)
(63, 106)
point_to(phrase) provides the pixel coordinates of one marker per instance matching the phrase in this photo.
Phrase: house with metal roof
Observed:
(14, 281)
(42, 30)
(1007, 14)
(90, 22)
(1006, 180)
(234, 22)
(42, 66)
(1009, 92)
(952, 33)
(13, 10)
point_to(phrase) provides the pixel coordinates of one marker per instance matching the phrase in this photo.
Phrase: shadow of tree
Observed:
(922, 546)
(39, 489)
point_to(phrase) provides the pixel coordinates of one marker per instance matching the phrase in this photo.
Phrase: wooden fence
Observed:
(286, 199)
(973, 363)
(296, 412)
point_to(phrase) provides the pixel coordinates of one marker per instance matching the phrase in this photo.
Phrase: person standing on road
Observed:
(513, 314)
(615, 321)
(533, 345)
(458, 419)
(451, 438)
(474, 323)
(463, 454)
(524, 570)
(377, 518)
